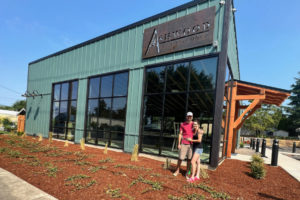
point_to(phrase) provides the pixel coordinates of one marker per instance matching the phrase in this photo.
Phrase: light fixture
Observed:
(215, 44)
(234, 10)
(222, 2)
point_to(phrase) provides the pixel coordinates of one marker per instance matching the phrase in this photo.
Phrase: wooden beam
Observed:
(250, 107)
(250, 97)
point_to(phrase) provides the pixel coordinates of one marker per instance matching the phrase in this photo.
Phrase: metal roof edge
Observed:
(130, 26)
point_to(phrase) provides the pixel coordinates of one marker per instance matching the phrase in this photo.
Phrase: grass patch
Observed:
(3, 149)
(74, 181)
(106, 160)
(116, 193)
(81, 163)
(51, 169)
(95, 169)
(76, 177)
(193, 196)
(14, 154)
(132, 167)
(214, 194)
(155, 185)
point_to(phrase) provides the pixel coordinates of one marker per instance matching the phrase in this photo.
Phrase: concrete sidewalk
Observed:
(14, 188)
(290, 165)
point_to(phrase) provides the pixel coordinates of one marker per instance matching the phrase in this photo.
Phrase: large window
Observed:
(171, 91)
(106, 110)
(64, 105)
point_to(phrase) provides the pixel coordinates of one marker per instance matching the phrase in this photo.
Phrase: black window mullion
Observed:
(188, 88)
(163, 112)
(111, 107)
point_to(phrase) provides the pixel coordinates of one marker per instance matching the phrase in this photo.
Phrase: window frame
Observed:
(164, 93)
(99, 98)
(69, 101)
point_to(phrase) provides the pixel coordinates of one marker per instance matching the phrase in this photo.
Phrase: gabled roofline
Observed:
(125, 28)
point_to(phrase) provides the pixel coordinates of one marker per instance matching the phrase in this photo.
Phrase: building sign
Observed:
(194, 30)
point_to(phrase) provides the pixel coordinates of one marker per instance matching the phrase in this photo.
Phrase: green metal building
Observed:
(135, 84)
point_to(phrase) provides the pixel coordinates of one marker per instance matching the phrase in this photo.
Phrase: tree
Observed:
(266, 118)
(18, 105)
(294, 110)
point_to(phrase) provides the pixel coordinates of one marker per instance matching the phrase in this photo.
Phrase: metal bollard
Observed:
(294, 147)
(263, 148)
(253, 144)
(275, 148)
(257, 144)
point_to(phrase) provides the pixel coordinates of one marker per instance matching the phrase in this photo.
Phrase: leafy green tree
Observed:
(18, 105)
(266, 118)
(294, 110)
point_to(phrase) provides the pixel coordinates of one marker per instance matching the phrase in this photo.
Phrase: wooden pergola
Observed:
(258, 95)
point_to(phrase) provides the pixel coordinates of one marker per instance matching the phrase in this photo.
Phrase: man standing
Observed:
(185, 146)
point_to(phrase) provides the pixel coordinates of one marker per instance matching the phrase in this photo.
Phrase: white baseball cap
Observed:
(189, 114)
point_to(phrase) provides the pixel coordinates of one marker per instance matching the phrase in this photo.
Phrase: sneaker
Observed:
(196, 178)
(175, 174)
(191, 180)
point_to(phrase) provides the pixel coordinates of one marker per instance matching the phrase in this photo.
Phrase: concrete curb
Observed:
(14, 188)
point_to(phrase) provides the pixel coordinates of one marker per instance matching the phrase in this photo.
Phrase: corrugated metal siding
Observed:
(232, 50)
(117, 52)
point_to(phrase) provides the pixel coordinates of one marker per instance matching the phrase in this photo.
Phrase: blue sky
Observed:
(268, 34)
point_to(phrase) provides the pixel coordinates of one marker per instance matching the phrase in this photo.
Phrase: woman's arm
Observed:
(200, 133)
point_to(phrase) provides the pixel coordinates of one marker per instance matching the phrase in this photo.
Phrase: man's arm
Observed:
(179, 139)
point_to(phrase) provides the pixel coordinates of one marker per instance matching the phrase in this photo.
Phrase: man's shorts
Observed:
(186, 150)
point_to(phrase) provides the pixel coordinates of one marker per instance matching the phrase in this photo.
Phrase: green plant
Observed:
(95, 169)
(257, 167)
(82, 163)
(203, 173)
(257, 158)
(3, 149)
(214, 194)
(193, 196)
(107, 160)
(241, 145)
(113, 193)
(76, 177)
(132, 167)
(14, 154)
(52, 170)
(154, 184)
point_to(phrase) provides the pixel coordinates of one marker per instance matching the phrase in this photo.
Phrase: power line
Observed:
(10, 90)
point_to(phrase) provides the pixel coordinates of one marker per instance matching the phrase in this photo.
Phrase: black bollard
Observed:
(294, 147)
(257, 144)
(253, 144)
(263, 148)
(275, 148)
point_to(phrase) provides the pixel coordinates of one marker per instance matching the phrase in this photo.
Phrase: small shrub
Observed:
(241, 145)
(257, 158)
(257, 170)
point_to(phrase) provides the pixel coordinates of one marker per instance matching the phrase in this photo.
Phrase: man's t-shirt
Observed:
(187, 132)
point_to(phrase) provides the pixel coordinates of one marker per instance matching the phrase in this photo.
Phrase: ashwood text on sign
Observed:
(186, 32)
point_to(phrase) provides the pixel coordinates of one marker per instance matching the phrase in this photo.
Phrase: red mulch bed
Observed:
(232, 177)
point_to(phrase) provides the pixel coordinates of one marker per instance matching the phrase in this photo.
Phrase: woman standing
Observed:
(197, 151)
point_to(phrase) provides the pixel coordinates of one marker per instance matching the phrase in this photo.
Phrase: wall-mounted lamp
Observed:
(215, 44)
(222, 2)
(234, 10)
